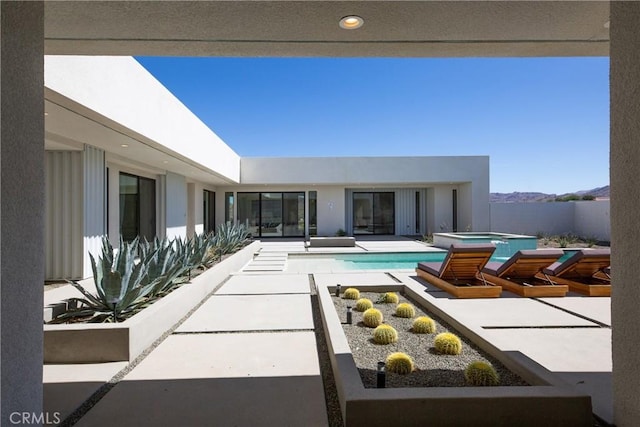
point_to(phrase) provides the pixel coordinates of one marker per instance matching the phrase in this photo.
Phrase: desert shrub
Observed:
(447, 343)
(481, 374)
(372, 317)
(399, 363)
(424, 325)
(385, 334)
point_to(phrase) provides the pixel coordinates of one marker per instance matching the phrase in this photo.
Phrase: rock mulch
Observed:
(432, 369)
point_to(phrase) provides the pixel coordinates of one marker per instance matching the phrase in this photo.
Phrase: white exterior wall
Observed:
(441, 209)
(331, 209)
(593, 219)
(465, 208)
(191, 209)
(176, 206)
(64, 215)
(120, 89)
(532, 218)
(583, 218)
(95, 209)
(470, 174)
(195, 208)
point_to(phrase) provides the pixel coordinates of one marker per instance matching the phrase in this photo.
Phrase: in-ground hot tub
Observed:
(506, 244)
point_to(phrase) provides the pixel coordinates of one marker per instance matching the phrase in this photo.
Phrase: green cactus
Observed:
(399, 363)
(351, 293)
(481, 374)
(447, 343)
(363, 304)
(372, 317)
(424, 325)
(405, 310)
(385, 334)
(388, 298)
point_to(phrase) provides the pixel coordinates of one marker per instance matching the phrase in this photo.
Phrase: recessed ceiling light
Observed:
(351, 22)
(46, 114)
(124, 145)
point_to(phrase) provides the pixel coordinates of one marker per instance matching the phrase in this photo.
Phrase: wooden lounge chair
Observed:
(460, 274)
(584, 272)
(518, 274)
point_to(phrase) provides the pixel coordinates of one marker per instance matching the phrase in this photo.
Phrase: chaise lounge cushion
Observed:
(583, 264)
(524, 263)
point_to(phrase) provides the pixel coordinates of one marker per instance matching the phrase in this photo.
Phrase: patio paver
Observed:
(255, 284)
(249, 379)
(251, 313)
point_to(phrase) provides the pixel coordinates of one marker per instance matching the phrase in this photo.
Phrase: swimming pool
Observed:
(381, 261)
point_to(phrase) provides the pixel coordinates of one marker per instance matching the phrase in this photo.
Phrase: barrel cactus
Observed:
(351, 293)
(481, 374)
(372, 317)
(399, 363)
(385, 334)
(389, 298)
(405, 310)
(363, 304)
(447, 343)
(424, 325)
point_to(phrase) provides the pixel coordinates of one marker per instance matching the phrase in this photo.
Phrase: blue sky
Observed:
(544, 122)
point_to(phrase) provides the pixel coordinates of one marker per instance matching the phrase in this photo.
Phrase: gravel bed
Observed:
(432, 369)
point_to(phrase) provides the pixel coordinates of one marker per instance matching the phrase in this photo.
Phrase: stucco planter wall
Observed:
(547, 401)
(108, 342)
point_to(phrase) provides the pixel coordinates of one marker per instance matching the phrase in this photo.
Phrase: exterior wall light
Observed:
(351, 22)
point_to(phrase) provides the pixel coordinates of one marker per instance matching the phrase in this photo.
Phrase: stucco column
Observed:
(22, 205)
(625, 208)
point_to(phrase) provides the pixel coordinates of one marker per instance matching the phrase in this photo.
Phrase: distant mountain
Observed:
(518, 197)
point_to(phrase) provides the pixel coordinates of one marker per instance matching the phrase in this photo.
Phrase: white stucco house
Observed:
(124, 157)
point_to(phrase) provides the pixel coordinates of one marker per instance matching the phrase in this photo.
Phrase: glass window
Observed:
(137, 207)
(209, 214)
(271, 214)
(228, 207)
(249, 211)
(313, 213)
(293, 214)
(374, 213)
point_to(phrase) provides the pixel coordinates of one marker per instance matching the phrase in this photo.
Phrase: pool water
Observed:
(373, 261)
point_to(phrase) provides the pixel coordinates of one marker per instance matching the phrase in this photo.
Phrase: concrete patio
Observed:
(248, 356)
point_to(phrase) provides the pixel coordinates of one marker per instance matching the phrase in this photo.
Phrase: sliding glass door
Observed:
(373, 213)
(137, 207)
(272, 214)
(209, 211)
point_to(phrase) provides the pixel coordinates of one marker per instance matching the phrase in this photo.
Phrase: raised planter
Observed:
(547, 401)
(112, 342)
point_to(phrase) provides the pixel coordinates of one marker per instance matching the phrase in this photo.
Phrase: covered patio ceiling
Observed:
(310, 28)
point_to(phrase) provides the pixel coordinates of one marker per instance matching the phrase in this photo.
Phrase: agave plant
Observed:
(230, 237)
(121, 282)
(164, 268)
